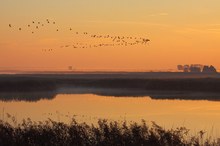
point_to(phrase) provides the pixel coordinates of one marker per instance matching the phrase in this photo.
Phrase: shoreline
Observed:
(134, 81)
(131, 81)
(47, 86)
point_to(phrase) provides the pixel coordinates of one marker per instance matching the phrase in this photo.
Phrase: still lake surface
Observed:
(168, 113)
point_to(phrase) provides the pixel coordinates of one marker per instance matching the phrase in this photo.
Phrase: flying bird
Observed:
(146, 40)
(115, 40)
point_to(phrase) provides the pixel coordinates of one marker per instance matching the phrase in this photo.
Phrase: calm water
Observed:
(194, 114)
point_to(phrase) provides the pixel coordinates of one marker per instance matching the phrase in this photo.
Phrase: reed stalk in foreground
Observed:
(104, 133)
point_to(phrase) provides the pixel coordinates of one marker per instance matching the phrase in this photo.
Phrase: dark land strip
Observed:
(23, 86)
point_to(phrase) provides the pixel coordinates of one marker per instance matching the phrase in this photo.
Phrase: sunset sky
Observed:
(181, 32)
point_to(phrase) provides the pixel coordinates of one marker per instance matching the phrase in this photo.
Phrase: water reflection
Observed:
(194, 114)
(49, 95)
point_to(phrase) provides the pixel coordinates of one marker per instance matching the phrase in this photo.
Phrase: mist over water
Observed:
(107, 92)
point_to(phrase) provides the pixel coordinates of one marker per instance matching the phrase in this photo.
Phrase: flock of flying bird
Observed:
(37, 25)
(104, 40)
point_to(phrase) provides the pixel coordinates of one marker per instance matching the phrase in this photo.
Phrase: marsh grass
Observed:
(46, 83)
(102, 133)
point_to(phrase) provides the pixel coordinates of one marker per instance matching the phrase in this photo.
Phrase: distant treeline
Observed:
(197, 68)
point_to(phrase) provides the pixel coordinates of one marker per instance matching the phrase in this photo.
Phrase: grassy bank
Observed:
(30, 83)
(105, 133)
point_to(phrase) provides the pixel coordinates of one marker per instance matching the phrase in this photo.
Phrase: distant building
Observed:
(70, 68)
(196, 68)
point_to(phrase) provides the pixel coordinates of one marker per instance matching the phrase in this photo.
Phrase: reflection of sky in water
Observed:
(194, 114)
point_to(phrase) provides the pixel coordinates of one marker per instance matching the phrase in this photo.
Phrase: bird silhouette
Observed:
(104, 40)
(145, 41)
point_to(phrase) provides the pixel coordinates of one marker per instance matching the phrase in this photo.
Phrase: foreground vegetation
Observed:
(104, 133)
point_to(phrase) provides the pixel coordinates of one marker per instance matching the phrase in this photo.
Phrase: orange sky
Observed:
(181, 32)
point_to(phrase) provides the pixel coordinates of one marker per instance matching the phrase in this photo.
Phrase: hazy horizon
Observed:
(180, 32)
